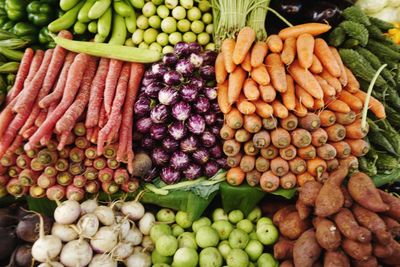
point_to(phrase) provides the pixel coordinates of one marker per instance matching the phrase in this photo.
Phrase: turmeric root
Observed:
(306, 250)
(356, 250)
(349, 227)
(327, 234)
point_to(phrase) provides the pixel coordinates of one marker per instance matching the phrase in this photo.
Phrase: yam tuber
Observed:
(309, 192)
(292, 226)
(348, 201)
(356, 250)
(349, 227)
(364, 192)
(282, 213)
(382, 250)
(303, 210)
(394, 205)
(283, 249)
(394, 258)
(392, 225)
(370, 262)
(306, 250)
(287, 263)
(336, 259)
(327, 234)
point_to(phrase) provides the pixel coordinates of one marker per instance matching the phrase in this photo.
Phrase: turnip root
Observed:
(51, 264)
(349, 227)
(47, 247)
(76, 253)
(356, 250)
(64, 232)
(88, 206)
(148, 244)
(102, 260)
(138, 259)
(88, 225)
(146, 222)
(105, 215)
(124, 225)
(67, 212)
(104, 240)
(306, 249)
(122, 251)
(134, 236)
(133, 209)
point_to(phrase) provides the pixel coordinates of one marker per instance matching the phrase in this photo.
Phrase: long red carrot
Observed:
(102, 116)
(96, 94)
(116, 108)
(35, 65)
(15, 144)
(11, 132)
(21, 75)
(114, 70)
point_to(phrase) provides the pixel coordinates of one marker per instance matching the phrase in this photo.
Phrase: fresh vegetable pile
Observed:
(386, 10)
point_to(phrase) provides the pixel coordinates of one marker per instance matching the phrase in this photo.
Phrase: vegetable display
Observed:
(387, 10)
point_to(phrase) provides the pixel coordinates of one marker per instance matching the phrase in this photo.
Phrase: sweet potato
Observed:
(382, 250)
(392, 225)
(309, 192)
(394, 205)
(370, 262)
(327, 234)
(283, 249)
(349, 227)
(292, 226)
(280, 215)
(303, 210)
(364, 192)
(356, 250)
(306, 250)
(394, 258)
(372, 222)
(287, 263)
(330, 198)
(336, 259)
(348, 201)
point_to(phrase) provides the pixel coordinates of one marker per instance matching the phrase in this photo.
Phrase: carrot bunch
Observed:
(292, 109)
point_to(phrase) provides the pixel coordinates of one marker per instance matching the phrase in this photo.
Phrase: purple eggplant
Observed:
(210, 118)
(152, 89)
(196, 124)
(194, 48)
(182, 49)
(159, 156)
(215, 129)
(223, 164)
(208, 139)
(168, 96)
(142, 106)
(169, 175)
(215, 107)
(211, 168)
(181, 111)
(192, 172)
(170, 59)
(216, 151)
(159, 69)
(158, 131)
(179, 160)
(172, 77)
(148, 142)
(150, 75)
(196, 60)
(143, 125)
(209, 57)
(170, 144)
(210, 92)
(189, 144)
(207, 72)
(197, 82)
(159, 114)
(151, 175)
(177, 130)
(189, 93)
(202, 104)
(147, 80)
(185, 67)
(201, 156)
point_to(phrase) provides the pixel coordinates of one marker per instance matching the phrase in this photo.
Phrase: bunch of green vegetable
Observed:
(29, 19)
(156, 24)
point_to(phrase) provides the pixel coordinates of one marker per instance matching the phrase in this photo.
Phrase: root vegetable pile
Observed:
(292, 109)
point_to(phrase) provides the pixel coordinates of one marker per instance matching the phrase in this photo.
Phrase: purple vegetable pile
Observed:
(177, 115)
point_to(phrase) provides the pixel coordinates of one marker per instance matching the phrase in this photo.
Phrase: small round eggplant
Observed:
(148, 142)
(210, 92)
(194, 48)
(170, 144)
(215, 107)
(197, 82)
(216, 151)
(207, 73)
(170, 59)
(152, 89)
(210, 118)
(168, 96)
(143, 125)
(209, 57)
(201, 156)
(179, 160)
(172, 77)
(189, 93)
(193, 171)
(189, 144)
(169, 175)
(211, 168)
(185, 67)
(147, 80)
(159, 114)
(158, 131)
(196, 124)
(322, 11)
(159, 156)
(223, 163)
(215, 129)
(181, 111)
(142, 106)
(159, 69)
(182, 49)
(151, 175)
(196, 60)
(208, 139)
(177, 130)
(202, 104)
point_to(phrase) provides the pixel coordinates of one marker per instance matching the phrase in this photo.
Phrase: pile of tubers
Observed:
(337, 224)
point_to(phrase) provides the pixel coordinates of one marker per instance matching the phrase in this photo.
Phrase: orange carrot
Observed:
(325, 55)
(332, 81)
(247, 163)
(345, 118)
(226, 132)
(263, 109)
(288, 153)
(275, 43)
(318, 104)
(351, 161)
(304, 97)
(280, 111)
(304, 178)
(244, 106)
(306, 153)
(236, 80)
(270, 152)
(262, 164)
(297, 165)
(242, 136)
(260, 75)
(374, 105)
(289, 51)
(359, 147)
(316, 166)
(343, 150)
(352, 83)
(300, 137)
(280, 138)
(332, 164)
(352, 101)
(319, 137)
(277, 72)
(246, 65)
(250, 89)
(258, 53)
(267, 93)
(326, 152)
(310, 122)
(329, 91)
(343, 75)
(234, 161)
(231, 147)
(316, 66)
(252, 123)
(244, 41)
(305, 50)
(250, 149)
(262, 139)
(300, 109)
(288, 181)
(312, 28)
(234, 119)
(288, 98)
(290, 123)
(306, 80)
(338, 106)
(227, 48)
(222, 97)
(253, 177)
(336, 132)
(269, 123)
(220, 70)
(279, 166)
(327, 118)
(269, 182)
(235, 176)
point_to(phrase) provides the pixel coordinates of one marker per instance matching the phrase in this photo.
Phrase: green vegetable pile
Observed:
(28, 20)
(157, 24)
(364, 49)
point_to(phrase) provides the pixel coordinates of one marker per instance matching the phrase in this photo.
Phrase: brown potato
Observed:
(306, 250)
(282, 213)
(364, 192)
(327, 234)
(303, 210)
(394, 205)
(336, 259)
(356, 250)
(283, 249)
(349, 227)
(370, 262)
(287, 263)
(292, 226)
(309, 192)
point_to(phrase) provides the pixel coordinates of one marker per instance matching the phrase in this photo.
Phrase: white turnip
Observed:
(102, 260)
(88, 225)
(147, 243)
(67, 212)
(146, 222)
(134, 236)
(105, 215)
(51, 264)
(76, 253)
(138, 259)
(133, 209)
(104, 240)
(122, 251)
(64, 232)
(124, 225)
(88, 206)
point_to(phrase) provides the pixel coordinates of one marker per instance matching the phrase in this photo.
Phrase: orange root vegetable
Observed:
(355, 131)
(332, 81)
(280, 138)
(263, 109)
(352, 101)
(261, 139)
(289, 51)
(288, 181)
(262, 164)
(269, 182)
(227, 48)
(337, 105)
(336, 132)
(234, 119)
(222, 97)
(329, 91)
(227, 132)
(275, 43)
(319, 137)
(353, 85)
(357, 250)
(309, 192)
(289, 97)
(335, 259)
(235, 85)
(253, 177)
(250, 149)
(244, 41)
(325, 55)
(310, 122)
(343, 150)
(332, 164)
(290, 123)
(304, 97)
(306, 80)
(276, 70)
(247, 163)
(267, 93)
(359, 147)
(305, 50)
(246, 65)
(316, 66)
(245, 106)
(252, 123)
(300, 137)
(283, 249)
(220, 70)
(258, 53)
(231, 147)
(270, 123)
(270, 152)
(327, 118)
(312, 28)
(279, 166)
(307, 153)
(345, 118)
(319, 104)
(316, 166)
(250, 89)
(374, 105)
(350, 228)
(394, 205)
(279, 110)
(343, 74)
(327, 234)
(297, 165)
(306, 245)
(288, 153)
(234, 161)
(326, 152)
(304, 178)
(260, 75)
(242, 136)
(235, 176)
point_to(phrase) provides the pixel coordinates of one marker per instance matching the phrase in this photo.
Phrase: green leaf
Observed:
(41, 205)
